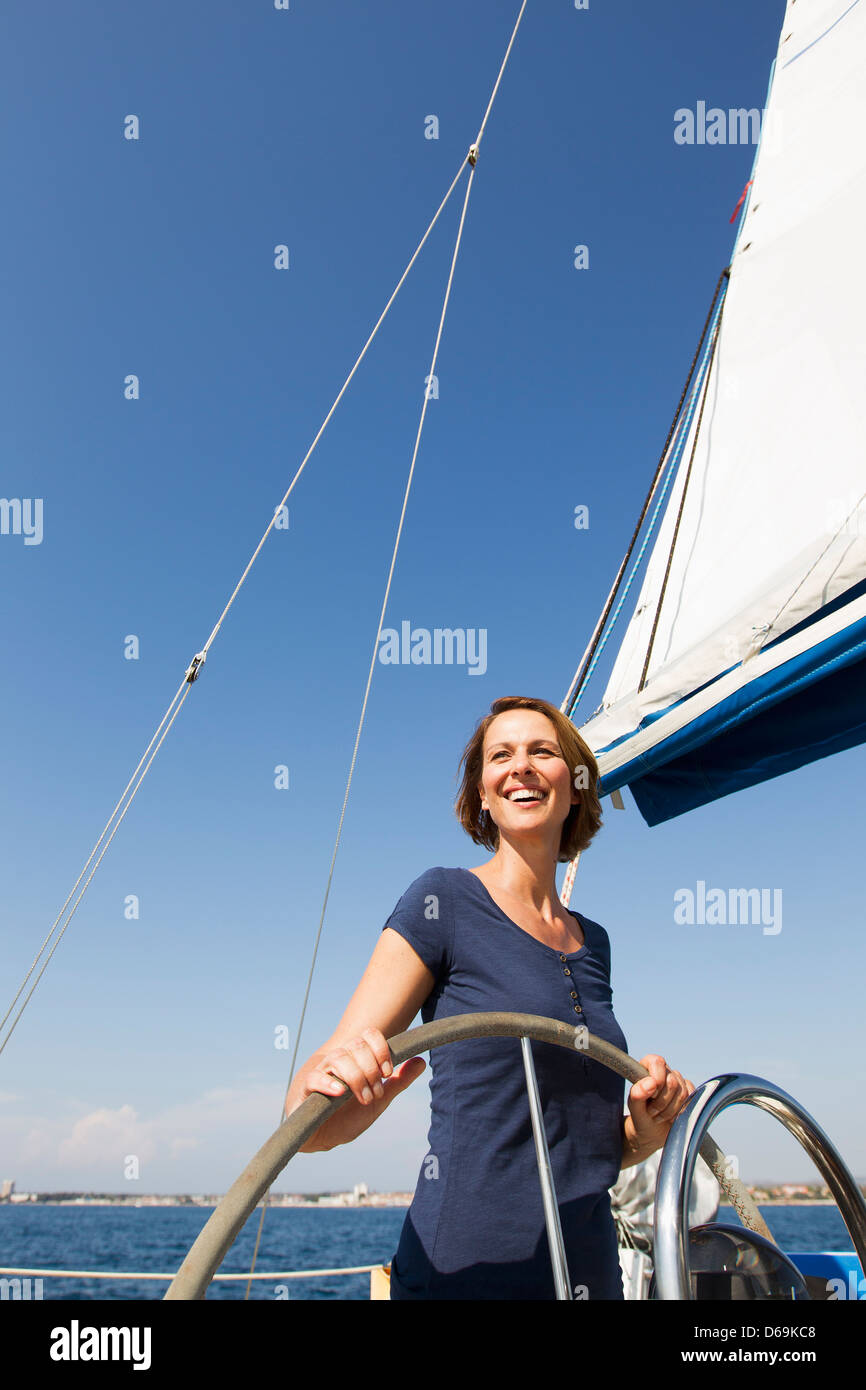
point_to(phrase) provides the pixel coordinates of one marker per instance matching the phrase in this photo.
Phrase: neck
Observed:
(526, 871)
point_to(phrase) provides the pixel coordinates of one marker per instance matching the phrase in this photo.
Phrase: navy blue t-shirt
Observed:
(475, 1229)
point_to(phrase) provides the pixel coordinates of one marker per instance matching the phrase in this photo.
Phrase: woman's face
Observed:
(526, 784)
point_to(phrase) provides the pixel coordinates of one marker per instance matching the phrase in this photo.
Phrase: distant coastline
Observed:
(358, 1198)
(789, 1202)
(334, 1204)
(332, 1200)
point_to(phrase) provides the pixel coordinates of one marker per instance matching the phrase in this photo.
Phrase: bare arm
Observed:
(391, 991)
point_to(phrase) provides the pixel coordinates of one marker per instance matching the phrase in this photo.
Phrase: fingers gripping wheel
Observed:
(230, 1215)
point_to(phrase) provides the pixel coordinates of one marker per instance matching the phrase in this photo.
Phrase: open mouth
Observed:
(526, 796)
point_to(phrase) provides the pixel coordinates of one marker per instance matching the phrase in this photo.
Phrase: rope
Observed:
(81, 875)
(339, 397)
(581, 676)
(471, 157)
(75, 906)
(681, 508)
(571, 872)
(198, 660)
(679, 427)
(372, 668)
(224, 1224)
(682, 434)
(104, 1274)
(568, 881)
(499, 78)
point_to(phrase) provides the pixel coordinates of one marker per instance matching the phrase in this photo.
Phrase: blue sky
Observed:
(155, 257)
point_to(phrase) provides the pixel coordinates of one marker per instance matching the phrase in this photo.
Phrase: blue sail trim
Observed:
(778, 722)
(856, 591)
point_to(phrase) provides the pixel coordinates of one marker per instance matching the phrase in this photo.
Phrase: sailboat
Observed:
(750, 615)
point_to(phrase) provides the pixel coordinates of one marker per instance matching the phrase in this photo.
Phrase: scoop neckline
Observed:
(569, 955)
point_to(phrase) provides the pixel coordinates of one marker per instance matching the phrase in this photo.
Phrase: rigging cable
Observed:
(679, 428)
(578, 684)
(74, 908)
(471, 159)
(670, 560)
(194, 669)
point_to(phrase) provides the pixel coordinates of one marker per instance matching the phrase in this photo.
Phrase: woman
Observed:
(498, 938)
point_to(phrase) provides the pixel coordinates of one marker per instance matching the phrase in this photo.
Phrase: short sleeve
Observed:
(598, 941)
(424, 917)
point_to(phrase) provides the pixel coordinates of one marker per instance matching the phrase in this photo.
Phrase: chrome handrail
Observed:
(670, 1219)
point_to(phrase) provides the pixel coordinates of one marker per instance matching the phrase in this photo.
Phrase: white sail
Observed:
(771, 533)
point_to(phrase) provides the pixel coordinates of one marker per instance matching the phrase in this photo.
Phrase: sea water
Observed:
(37, 1235)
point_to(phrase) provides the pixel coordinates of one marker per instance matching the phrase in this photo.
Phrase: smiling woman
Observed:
(498, 938)
(561, 745)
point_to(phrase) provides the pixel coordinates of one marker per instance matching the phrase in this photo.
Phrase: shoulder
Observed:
(424, 916)
(433, 882)
(595, 937)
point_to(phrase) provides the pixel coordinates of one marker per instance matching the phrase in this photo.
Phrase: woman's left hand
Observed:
(654, 1104)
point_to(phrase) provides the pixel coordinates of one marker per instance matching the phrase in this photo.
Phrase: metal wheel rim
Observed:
(227, 1219)
(676, 1170)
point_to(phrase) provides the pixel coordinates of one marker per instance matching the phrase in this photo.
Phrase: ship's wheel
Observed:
(687, 1138)
(671, 1252)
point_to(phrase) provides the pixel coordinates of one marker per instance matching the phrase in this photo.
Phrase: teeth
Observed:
(523, 794)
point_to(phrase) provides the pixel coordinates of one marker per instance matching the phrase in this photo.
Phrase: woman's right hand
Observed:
(362, 1065)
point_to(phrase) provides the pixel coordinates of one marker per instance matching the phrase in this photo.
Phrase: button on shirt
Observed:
(476, 1229)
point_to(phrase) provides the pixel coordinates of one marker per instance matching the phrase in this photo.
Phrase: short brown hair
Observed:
(582, 821)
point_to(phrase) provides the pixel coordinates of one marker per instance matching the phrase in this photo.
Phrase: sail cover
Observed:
(758, 663)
